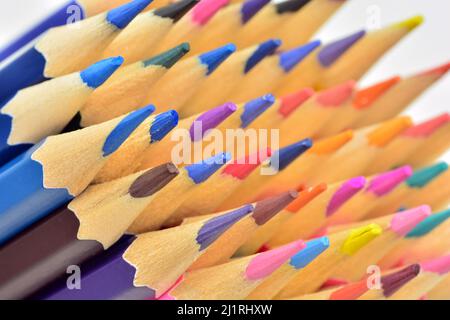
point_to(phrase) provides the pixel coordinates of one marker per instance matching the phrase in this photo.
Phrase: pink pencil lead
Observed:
(404, 221)
(440, 265)
(386, 182)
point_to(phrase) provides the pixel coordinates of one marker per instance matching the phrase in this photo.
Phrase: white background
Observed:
(426, 47)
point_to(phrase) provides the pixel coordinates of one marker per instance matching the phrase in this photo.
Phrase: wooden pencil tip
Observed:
(305, 196)
(405, 221)
(336, 96)
(251, 7)
(331, 52)
(213, 59)
(332, 144)
(350, 291)
(210, 119)
(345, 192)
(428, 127)
(168, 58)
(205, 10)
(263, 50)
(312, 250)
(162, 125)
(200, 172)
(153, 180)
(439, 70)
(439, 265)
(123, 15)
(429, 224)
(366, 97)
(285, 156)
(267, 208)
(95, 75)
(392, 282)
(359, 237)
(290, 102)
(215, 227)
(290, 6)
(410, 23)
(253, 109)
(241, 168)
(386, 182)
(176, 10)
(424, 176)
(291, 58)
(389, 130)
(264, 264)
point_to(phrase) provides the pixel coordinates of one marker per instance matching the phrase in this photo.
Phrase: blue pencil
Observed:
(56, 170)
(70, 12)
(67, 49)
(51, 105)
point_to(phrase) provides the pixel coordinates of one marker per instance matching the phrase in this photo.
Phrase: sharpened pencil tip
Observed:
(337, 95)
(386, 182)
(428, 127)
(290, 59)
(264, 264)
(153, 180)
(268, 208)
(392, 282)
(305, 197)
(125, 128)
(429, 224)
(388, 130)
(424, 176)
(405, 221)
(215, 227)
(365, 97)
(331, 52)
(410, 23)
(346, 191)
(332, 144)
(359, 237)
(263, 50)
(95, 75)
(241, 168)
(250, 8)
(200, 172)
(285, 156)
(439, 265)
(253, 109)
(313, 249)
(210, 119)
(206, 9)
(163, 124)
(175, 11)
(290, 102)
(169, 58)
(290, 6)
(214, 58)
(123, 15)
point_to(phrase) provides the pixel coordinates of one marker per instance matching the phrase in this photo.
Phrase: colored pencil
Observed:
(283, 107)
(279, 161)
(125, 91)
(65, 14)
(395, 227)
(217, 189)
(130, 274)
(432, 272)
(90, 224)
(391, 283)
(313, 216)
(233, 280)
(315, 112)
(350, 291)
(58, 169)
(190, 25)
(270, 72)
(226, 25)
(231, 73)
(407, 144)
(278, 279)
(424, 185)
(181, 82)
(347, 58)
(355, 156)
(400, 95)
(299, 171)
(436, 144)
(53, 54)
(267, 21)
(139, 39)
(257, 241)
(171, 197)
(42, 104)
(342, 246)
(303, 24)
(424, 234)
(226, 246)
(128, 157)
(191, 132)
(378, 186)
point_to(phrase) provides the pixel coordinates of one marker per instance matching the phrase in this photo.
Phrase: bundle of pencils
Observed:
(214, 149)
